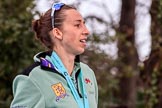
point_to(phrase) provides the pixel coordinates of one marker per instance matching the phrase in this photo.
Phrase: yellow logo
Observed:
(59, 90)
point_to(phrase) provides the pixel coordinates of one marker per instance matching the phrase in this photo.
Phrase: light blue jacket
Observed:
(41, 86)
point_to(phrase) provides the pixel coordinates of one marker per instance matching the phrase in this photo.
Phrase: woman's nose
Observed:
(86, 31)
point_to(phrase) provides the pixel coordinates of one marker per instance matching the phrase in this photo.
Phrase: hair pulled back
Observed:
(43, 26)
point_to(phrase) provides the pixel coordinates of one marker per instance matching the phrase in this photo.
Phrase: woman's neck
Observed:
(66, 58)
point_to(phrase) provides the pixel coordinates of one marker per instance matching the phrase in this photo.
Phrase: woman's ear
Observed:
(57, 33)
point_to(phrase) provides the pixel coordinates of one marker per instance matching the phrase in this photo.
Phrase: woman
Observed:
(58, 79)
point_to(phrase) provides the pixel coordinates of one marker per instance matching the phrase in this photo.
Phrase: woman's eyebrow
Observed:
(80, 21)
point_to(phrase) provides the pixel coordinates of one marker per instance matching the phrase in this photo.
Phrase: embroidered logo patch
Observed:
(88, 81)
(59, 90)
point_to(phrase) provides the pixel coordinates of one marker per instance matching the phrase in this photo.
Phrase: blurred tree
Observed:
(152, 71)
(128, 58)
(127, 62)
(17, 43)
(112, 92)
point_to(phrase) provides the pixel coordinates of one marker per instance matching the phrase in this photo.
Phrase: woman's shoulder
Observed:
(28, 69)
(86, 68)
(84, 65)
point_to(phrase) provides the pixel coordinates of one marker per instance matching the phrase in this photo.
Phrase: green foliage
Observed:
(159, 16)
(17, 43)
(153, 65)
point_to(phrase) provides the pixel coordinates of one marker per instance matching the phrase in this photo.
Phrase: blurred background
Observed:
(124, 48)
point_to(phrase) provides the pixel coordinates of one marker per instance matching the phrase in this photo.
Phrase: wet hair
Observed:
(43, 26)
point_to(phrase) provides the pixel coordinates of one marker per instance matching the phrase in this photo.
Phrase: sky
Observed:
(143, 35)
(95, 7)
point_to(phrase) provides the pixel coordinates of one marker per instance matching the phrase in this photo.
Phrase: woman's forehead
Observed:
(73, 15)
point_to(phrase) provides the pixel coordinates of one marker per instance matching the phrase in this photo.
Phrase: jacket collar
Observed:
(45, 63)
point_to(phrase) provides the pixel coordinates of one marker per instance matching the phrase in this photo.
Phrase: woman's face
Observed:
(74, 32)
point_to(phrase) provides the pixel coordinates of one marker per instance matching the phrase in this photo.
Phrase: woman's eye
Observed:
(77, 25)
